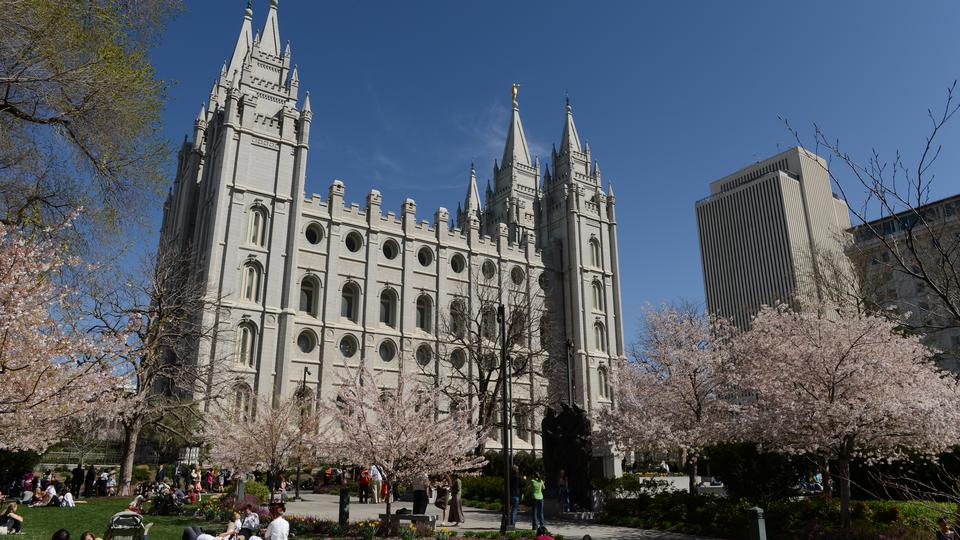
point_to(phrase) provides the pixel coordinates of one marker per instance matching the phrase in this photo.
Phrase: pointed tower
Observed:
(471, 209)
(578, 239)
(245, 171)
(515, 181)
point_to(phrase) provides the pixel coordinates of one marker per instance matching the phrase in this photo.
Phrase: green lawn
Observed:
(94, 516)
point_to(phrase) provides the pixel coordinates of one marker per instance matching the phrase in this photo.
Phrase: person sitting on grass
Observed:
(251, 522)
(87, 535)
(136, 505)
(11, 519)
(279, 528)
(67, 500)
(62, 534)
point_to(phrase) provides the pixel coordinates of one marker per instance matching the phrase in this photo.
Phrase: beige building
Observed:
(310, 285)
(890, 286)
(762, 232)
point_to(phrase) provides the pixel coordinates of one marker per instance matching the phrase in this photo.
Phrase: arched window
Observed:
(458, 318)
(309, 293)
(600, 337)
(521, 423)
(424, 312)
(350, 302)
(246, 344)
(304, 398)
(388, 308)
(595, 253)
(603, 382)
(488, 322)
(250, 285)
(256, 230)
(243, 401)
(597, 296)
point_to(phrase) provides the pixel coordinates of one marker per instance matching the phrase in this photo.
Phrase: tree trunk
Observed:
(131, 434)
(843, 464)
(692, 473)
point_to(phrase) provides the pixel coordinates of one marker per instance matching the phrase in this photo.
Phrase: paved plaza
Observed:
(325, 507)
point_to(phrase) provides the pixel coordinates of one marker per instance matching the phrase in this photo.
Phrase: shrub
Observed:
(141, 473)
(482, 488)
(258, 490)
(748, 473)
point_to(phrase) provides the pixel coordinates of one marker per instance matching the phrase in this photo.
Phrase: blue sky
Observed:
(670, 96)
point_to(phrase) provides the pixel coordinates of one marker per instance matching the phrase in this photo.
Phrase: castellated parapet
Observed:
(308, 286)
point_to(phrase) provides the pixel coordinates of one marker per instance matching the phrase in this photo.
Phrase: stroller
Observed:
(126, 526)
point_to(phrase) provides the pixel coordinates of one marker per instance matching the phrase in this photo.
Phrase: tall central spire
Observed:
(516, 150)
(270, 40)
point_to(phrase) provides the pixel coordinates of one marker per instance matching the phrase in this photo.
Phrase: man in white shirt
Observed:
(251, 522)
(376, 483)
(279, 528)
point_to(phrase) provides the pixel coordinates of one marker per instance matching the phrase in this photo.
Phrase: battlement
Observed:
(405, 222)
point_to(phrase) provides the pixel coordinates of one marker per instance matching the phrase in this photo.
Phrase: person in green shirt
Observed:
(536, 486)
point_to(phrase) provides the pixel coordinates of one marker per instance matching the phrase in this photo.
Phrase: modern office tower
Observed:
(891, 286)
(763, 231)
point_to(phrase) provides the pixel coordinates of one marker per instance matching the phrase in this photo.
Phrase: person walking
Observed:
(515, 489)
(455, 508)
(364, 486)
(536, 513)
(376, 483)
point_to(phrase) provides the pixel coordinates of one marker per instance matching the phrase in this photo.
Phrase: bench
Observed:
(395, 519)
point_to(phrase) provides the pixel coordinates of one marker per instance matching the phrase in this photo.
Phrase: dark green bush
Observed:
(483, 488)
(758, 476)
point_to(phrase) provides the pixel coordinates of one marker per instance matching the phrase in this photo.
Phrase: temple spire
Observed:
(515, 151)
(570, 141)
(472, 201)
(244, 40)
(270, 41)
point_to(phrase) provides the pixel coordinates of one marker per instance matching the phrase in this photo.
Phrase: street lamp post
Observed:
(505, 431)
(303, 392)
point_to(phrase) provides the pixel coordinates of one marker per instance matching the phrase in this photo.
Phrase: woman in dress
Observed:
(455, 508)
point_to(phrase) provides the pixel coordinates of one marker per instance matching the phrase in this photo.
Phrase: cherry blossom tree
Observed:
(265, 436)
(840, 385)
(401, 429)
(669, 393)
(51, 369)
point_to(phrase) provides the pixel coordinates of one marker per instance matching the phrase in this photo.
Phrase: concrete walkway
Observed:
(326, 507)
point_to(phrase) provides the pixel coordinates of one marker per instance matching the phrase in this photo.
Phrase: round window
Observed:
(388, 351)
(516, 275)
(424, 355)
(314, 233)
(390, 249)
(458, 359)
(306, 342)
(543, 281)
(458, 263)
(489, 269)
(354, 241)
(348, 346)
(425, 256)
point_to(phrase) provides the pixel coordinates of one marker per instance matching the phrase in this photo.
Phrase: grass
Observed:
(41, 523)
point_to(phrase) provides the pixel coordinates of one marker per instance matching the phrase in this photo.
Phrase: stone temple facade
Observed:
(310, 284)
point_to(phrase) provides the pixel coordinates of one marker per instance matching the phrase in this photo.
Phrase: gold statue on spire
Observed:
(513, 91)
